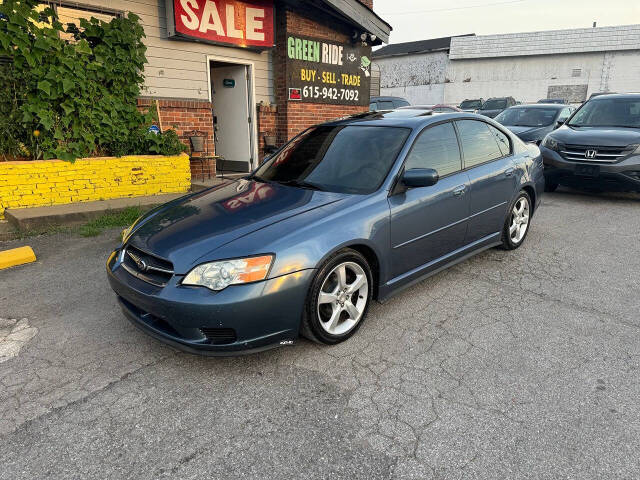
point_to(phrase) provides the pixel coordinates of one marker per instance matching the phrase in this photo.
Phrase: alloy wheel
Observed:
(519, 220)
(343, 298)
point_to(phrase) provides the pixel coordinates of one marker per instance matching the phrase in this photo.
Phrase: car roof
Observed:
(375, 99)
(605, 96)
(557, 106)
(417, 107)
(390, 118)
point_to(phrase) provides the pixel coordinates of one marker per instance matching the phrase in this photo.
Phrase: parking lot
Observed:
(511, 365)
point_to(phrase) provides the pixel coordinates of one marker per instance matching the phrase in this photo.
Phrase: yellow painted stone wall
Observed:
(54, 182)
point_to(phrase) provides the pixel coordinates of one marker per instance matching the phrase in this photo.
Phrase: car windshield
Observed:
(471, 104)
(494, 104)
(344, 159)
(528, 117)
(608, 112)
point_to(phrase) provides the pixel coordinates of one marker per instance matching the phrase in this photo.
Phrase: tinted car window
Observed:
(437, 148)
(373, 106)
(385, 105)
(608, 112)
(502, 140)
(494, 104)
(469, 104)
(564, 114)
(400, 103)
(527, 116)
(345, 159)
(479, 144)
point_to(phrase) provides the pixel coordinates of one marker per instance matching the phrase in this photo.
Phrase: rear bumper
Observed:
(261, 315)
(624, 175)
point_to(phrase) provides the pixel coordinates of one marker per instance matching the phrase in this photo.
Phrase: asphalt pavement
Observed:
(511, 365)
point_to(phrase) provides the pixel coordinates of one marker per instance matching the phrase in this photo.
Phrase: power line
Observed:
(454, 8)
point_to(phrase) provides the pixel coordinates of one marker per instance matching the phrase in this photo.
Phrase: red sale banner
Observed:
(241, 23)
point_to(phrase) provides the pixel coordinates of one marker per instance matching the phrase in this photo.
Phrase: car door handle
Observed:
(509, 172)
(459, 191)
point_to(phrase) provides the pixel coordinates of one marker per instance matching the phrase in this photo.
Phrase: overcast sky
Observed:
(423, 19)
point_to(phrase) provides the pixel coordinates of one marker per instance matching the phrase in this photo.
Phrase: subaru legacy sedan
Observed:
(346, 212)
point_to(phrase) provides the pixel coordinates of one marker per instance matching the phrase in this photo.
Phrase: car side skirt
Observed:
(410, 278)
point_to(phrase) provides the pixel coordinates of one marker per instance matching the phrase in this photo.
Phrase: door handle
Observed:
(459, 191)
(509, 172)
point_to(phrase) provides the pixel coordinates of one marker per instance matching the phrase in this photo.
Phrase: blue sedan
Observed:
(346, 212)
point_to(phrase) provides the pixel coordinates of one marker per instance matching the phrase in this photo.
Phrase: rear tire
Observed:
(516, 225)
(339, 298)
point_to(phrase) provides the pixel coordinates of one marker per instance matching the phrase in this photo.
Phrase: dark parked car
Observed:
(560, 101)
(533, 122)
(386, 103)
(598, 147)
(346, 212)
(471, 105)
(494, 106)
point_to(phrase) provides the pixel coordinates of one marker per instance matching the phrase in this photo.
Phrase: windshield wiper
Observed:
(301, 184)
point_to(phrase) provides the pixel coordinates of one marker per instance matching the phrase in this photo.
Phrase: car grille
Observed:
(588, 153)
(219, 336)
(146, 267)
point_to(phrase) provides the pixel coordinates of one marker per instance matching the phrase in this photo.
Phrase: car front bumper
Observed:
(623, 175)
(239, 319)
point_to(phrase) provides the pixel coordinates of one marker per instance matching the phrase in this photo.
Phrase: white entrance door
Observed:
(231, 108)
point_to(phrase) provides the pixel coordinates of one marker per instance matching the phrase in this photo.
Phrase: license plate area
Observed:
(587, 170)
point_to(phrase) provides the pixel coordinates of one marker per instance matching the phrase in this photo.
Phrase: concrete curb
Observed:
(16, 256)
(79, 213)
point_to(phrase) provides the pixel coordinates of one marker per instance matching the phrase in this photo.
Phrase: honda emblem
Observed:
(590, 153)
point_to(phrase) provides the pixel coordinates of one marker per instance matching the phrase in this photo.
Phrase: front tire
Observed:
(339, 298)
(516, 225)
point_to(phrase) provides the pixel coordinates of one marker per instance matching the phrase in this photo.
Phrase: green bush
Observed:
(79, 96)
(11, 93)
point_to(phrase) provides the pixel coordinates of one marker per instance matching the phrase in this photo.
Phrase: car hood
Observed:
(530, 133)
(490, 113)
(597, 136)
(186, 231)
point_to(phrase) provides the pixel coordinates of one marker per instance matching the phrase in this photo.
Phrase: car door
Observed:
(487, 158)
(429, 222)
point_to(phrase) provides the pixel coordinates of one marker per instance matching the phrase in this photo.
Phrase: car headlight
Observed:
(219, 275)
(550, 143)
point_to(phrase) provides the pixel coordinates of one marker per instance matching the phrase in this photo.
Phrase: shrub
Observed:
(79, 95)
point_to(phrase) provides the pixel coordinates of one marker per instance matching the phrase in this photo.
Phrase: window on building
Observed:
(576, 72)
(479, 143)
(437, 148)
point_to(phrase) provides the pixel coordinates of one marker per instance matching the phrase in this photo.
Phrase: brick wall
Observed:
(292, 117)
(267, 120)
(54, 182)
(185, 116)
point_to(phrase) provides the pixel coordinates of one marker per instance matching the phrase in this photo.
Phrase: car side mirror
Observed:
(559, 123)
(420, 177)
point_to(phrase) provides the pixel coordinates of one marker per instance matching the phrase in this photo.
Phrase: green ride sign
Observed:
(319, 71)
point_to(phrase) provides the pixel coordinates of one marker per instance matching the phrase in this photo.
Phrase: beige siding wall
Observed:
(178, 69)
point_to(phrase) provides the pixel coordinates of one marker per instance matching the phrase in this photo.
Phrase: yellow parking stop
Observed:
(16, 256)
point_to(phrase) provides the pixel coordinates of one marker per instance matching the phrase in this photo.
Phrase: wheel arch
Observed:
(532, 194)
(371, 255)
